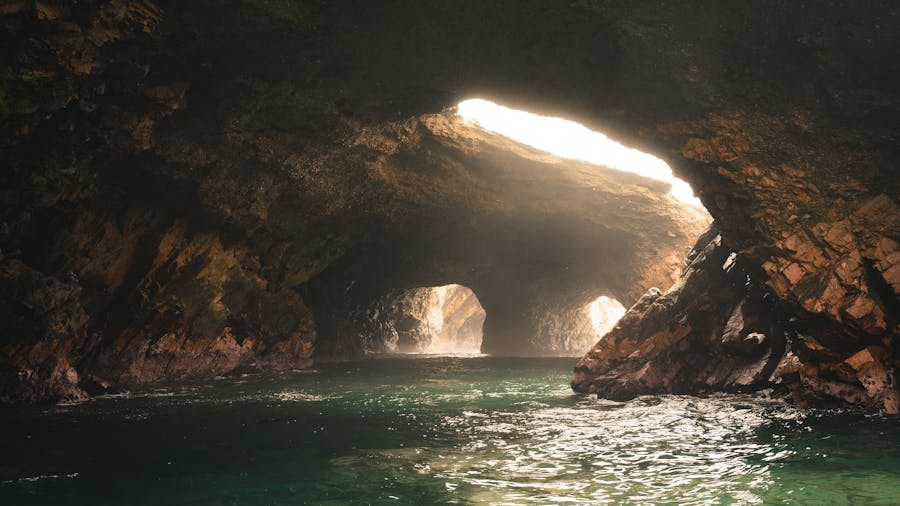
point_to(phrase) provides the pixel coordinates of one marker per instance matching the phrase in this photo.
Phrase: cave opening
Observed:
(571, 140)
(227, 235)
(445, 319)
(568, 330)
(605, 312)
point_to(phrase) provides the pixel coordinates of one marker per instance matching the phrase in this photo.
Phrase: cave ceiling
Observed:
(201, 178)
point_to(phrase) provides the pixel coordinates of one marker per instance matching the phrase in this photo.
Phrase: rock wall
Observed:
(715, 329)
(719, 328)
(49, 312)
(190, 188)
(205, 203)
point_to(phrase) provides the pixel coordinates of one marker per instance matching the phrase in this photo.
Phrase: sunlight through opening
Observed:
(441, 319)
(568, 139)
(605, 313)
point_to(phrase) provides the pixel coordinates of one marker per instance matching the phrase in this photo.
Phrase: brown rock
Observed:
(849, 269)
(861, 307)
(794, 273)
(698, 149)
(652, 351)
(892, 277)
(868, 315)
(876, 377)
(805, 251)
(314, 168)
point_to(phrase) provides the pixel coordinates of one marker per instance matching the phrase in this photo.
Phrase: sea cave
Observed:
(394, 252)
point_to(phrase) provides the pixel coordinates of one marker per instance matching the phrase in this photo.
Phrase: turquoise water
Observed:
(439, 430)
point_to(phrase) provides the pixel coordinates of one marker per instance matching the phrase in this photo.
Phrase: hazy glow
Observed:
(452, 318)
(605, 312)
(568, 139)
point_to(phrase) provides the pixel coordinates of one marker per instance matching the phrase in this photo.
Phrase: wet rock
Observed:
(738, 334)
(43, 336)
(305, 155)
(708, 332)
(685, 341)
(876, 377)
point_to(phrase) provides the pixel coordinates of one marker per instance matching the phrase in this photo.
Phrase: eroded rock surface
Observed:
(200, 187)
(713, 330)
(535, 237)
(49, 313)
(718, 328)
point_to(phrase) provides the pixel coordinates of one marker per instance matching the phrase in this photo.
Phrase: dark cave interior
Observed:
(194, 188)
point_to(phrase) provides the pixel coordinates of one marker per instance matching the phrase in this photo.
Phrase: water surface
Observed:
(457, 430)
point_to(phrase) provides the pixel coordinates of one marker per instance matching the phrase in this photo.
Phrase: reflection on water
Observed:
(441, 429)
(653, 449)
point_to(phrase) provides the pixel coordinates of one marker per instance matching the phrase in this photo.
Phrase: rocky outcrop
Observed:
(46, 315)
(719, 329)
(535, 237)
(171, 324)
(714, 330)
(462, 320)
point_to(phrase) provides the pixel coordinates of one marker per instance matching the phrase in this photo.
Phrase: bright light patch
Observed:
(605, 312)
(452, 320)
(568, 139)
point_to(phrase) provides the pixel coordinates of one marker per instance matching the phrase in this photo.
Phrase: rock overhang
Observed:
(786, 126)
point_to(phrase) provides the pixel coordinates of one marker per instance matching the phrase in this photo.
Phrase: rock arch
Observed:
(185, 176)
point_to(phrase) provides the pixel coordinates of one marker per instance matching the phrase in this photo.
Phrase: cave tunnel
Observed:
(438, 319)
(243, 200)
(248, 233)
(539, 233)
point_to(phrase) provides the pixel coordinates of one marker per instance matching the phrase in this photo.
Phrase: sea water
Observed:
(439, 430)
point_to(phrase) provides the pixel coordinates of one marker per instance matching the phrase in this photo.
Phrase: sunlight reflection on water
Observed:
(441, 430)
(651, 449)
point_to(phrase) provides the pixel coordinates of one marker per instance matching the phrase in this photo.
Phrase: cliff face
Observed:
(196, 188)
(715, 329)
(719, 328)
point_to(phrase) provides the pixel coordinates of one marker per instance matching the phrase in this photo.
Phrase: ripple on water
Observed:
(694, 451)
(301, 396)
(479, 430)
(33, 479)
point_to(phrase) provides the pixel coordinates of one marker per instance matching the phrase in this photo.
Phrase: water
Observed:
(439, 430)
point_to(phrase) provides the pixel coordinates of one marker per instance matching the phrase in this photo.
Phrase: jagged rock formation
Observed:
(49, 310)
(225, 210)
(718, 328)
(194, 187)
(715, 329)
